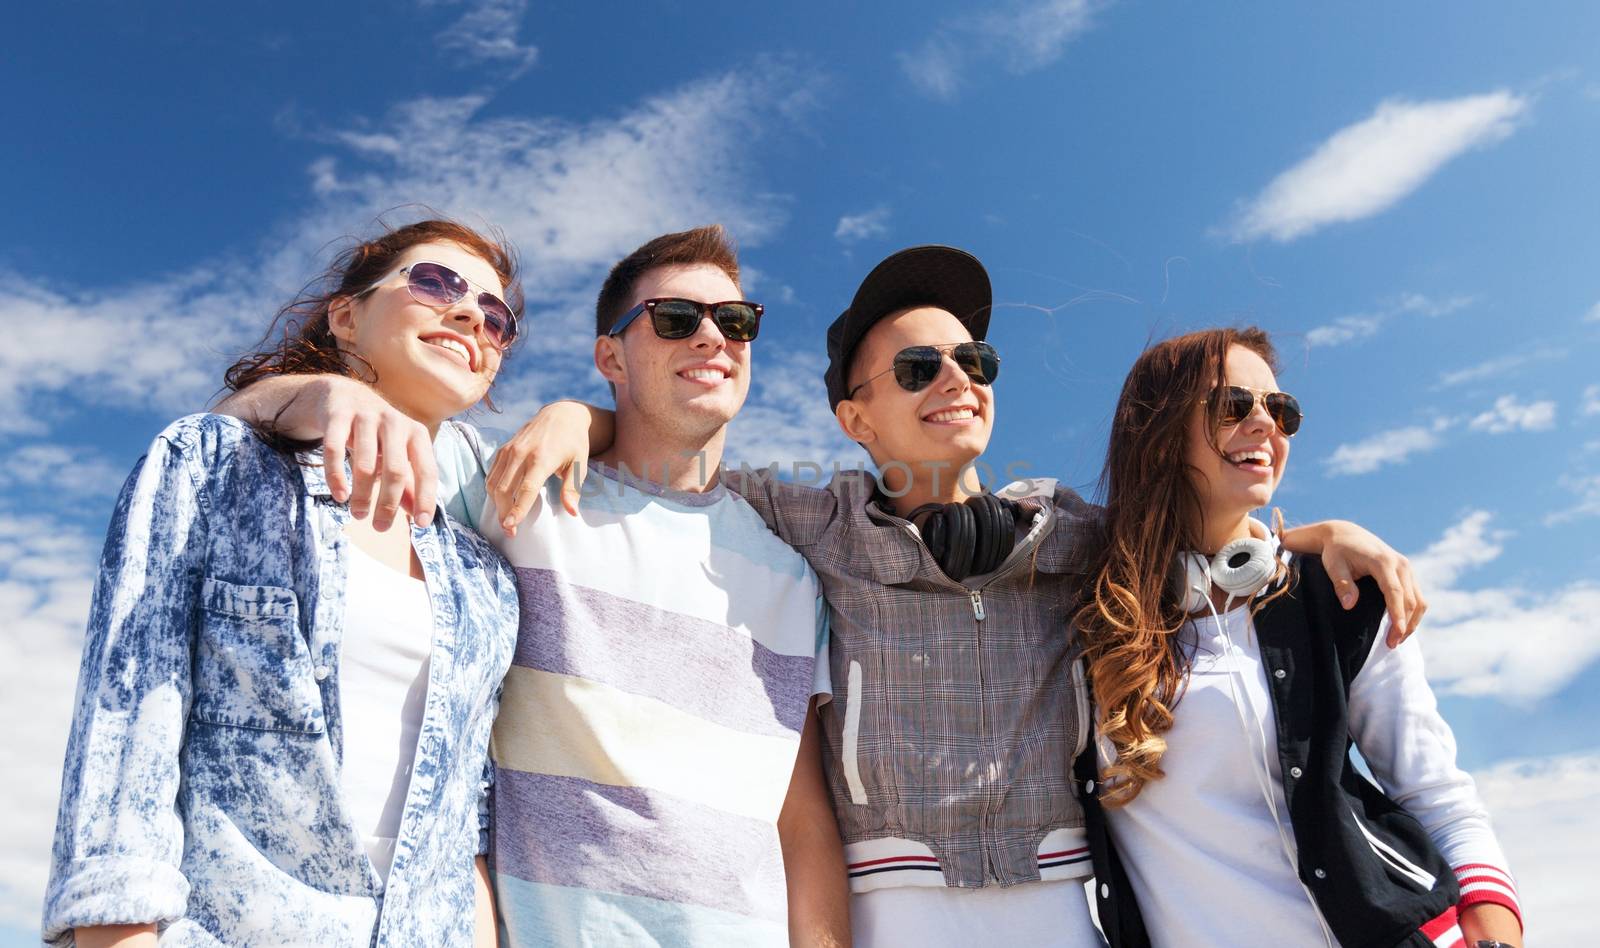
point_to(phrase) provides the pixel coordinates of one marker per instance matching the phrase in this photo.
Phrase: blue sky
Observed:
(1404, 194)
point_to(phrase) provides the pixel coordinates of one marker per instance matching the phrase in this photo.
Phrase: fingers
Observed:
(393, 470)
(423, 499)
(363, 449)
(572, 484)
(1394, 594)
(334, 438)
(1344, 586)
(1416, 605)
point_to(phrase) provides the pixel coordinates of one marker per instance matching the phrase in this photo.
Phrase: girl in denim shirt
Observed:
(283, 713)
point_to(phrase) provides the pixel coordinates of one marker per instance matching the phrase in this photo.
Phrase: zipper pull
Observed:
(977, 605)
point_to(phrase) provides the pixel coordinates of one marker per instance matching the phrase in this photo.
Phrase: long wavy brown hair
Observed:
(1131, 611)
(300, 342)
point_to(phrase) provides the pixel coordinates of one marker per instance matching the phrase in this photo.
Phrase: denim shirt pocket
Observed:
(252, 666)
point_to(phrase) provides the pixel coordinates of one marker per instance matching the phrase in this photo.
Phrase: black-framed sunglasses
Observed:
(675, 318)
(915, 367)
(1236, 403)
(434, 284)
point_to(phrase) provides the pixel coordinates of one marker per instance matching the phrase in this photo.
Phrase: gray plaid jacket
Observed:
(958, 708)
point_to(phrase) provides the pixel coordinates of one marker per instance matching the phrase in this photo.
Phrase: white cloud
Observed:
(62, 468)
(573, 197)
(1544, 815)
(868, 224)
(787, 419)
(1504, 642)
(1508, 414)
(1593, 316)
(47, 573)
(1591, 400)
(1020, 36)
(488, 30)
(1386, 447)
(1588, 505)
(1365, 168)
(1498, 366)
(1361, 325)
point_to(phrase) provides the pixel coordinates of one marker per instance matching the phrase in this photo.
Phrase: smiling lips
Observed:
(948, 415)
(1255, 460)
(454, 344)
(711, 374)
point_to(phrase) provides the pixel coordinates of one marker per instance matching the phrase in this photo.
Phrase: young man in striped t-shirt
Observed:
(658, 778)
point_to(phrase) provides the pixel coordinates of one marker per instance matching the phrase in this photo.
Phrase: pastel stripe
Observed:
(700, 579)
(535, 915)
(705, 668)
(636, 842)
(566, 726)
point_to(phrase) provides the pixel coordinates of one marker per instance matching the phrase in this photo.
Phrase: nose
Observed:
(708, 336)
(1259, 419)
(952, 377)
(466, 315)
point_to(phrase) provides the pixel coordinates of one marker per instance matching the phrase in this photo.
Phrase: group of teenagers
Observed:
(359, 673)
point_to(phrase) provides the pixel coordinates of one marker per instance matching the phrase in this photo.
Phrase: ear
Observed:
(854, 423)
(342, 318)
(608, 359)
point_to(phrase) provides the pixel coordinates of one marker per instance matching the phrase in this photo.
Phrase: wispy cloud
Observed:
(573, 197)
(1362, 325)
(1504, 641)
(1019, 36)
(867, 224)
(1587, 489)
(787, 419)
(1384, 448)
(1545, 816)
(1509, 414)
(47, 572)
(1366, 168)
(1593, 316)
(1498, 366)
(65, 469)
(1591, 400)
(488, 30)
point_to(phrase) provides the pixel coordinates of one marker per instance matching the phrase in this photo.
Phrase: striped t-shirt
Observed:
(669, 648)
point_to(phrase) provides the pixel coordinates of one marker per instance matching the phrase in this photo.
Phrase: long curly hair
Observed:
(300, 342)
(1131, 612)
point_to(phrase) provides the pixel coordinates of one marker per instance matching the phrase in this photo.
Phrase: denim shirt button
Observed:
(321, 671)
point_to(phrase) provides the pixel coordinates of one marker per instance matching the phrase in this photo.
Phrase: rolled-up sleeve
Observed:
(119, 837)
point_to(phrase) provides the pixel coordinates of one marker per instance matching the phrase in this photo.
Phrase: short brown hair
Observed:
(706, 245)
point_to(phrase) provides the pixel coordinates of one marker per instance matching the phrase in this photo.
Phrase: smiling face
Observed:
(684, 390)
(430, 362)
(948, 422)
(1254, 453)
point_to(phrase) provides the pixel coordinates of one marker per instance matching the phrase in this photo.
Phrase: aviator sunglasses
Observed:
(1235, 403)
(434, 284)
(674, 318)
(915, 367)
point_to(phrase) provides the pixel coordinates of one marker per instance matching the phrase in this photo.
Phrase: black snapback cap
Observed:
(931, 275)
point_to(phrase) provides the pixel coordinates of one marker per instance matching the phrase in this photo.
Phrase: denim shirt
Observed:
(201, 786)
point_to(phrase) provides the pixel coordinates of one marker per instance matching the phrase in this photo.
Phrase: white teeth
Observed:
(1242, 457)
(705, 374)
(453, 346)
(951, 414)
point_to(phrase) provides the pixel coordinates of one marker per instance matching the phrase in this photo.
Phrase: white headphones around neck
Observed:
(1241, 569)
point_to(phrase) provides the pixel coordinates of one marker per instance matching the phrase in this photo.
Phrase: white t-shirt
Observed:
(383, 685)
